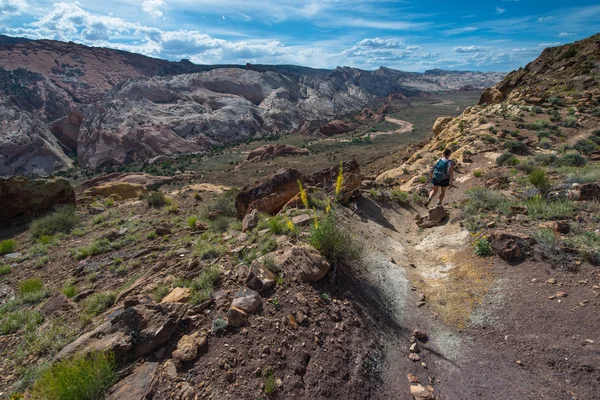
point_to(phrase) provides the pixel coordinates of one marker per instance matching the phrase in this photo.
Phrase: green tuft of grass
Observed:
(7, 246)
(30, 285)
(203, 285)
(335, 242)
(276, 225)
(507, 159)
(63, 220)
(482, 247)
(400, 197)
(20, 319)
(69, 290)
(156, 199)
(269, 378)
(78, 378)
(5, 269)
(160, 292)
(540, 181)
(482, 198)
(192, 222)
(97, 303)
(207, 251)
(540, 208)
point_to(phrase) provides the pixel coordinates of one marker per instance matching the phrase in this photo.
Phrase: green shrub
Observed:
(219, 224)
(7, 246)
(571, 160)
(482, 247)
(69, 290)
(5, 269)
(63, 220)
(192, 222)
(267, 244)
(422, 179)
(376, 194)
(269, 377)
(218, 325)
(556, 101)
(13, 321)
(160, 292)
(586, 174)
(585, 146)
(539, 180)
(539, 208)
(514, 146)
(545, 159)
(156, 199)
(276, 225)
(400, 197)
(206, 250)
(570, 122)
(97, 303)
(482, 198)
(223, 204)
(545, 236)
(78, 378)
(545, 143)
(202, 286)
(507, 159)
(334, 242)
(49, 339)
(30, 285)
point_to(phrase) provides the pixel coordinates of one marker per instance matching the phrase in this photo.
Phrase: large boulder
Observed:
(304, 261)
(66, 129)
(327, 178)
(137, 385)
(440, 124)
(247, 300)
(124, 190)
(21, 197)
(269, 195)
(435, 216)
(512, 247)
(188, 345)
(276, 150)
(130, 332)
(336, 127)
(585, 191)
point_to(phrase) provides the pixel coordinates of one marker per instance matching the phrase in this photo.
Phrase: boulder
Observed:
(435, 216)
(302, 220)
(123, 189)
(137, 385)
(275, 150)
(21, 197)
(187, 347)
(178, 295)
(269, 195)
(66, 129)
(419, 392)
(58, 304)
(511, 246)
(247, 300)
(250, 221)
(327, 178)
(236, 317)
(260, 278)
(130, 332)
(492, 96)
(585, 191)
(440, 124)
(304, 261)
(336, 127)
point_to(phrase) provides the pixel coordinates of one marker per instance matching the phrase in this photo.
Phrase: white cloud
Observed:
(380, 43)
(500, 10)
(468, 49)
(152, 7)
(413, 48)
(9, 8)
(384, 25)
(563, 34)
(458, 31)
(544, 19)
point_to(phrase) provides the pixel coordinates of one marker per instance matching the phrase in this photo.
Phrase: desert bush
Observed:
(482, 247)
(219, 224)
(30, 285)
(98, 246)
(570, 122)
(202, 286)
(49, 339)
(206, 250)
(545, 159)
(539, 180)
(223, 204)
(97, 303)
(7, 246)
(556, 101)
(276, 225)
(5, 269)
(539, 208)
(482, 198)
(218, 325)
(334, 242)
(156, 199)
(400, 197)
(63, 220)
(78, 378)
(514, 146)
(507, 159)
(585, 146)
(571, 160)
(69, 290)
(586, 174)
(545, 143)
(545, 237)
(21, 319)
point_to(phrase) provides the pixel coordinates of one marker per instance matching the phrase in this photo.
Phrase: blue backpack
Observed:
(440, 170)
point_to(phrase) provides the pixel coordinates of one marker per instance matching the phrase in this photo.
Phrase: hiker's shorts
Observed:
(442, 183)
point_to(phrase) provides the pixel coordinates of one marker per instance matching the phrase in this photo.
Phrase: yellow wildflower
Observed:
(303, 195)
(316, 219)
(289, 224)
(340, 181)
(328, 208)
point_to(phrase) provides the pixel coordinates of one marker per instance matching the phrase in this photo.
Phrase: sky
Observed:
(410, 35)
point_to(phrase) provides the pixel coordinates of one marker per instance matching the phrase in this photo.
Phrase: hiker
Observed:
(442, 175)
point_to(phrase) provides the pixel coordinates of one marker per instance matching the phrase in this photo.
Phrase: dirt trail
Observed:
(404, 127)
(476, 331)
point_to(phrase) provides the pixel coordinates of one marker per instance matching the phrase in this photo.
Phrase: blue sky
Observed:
(409, 35)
